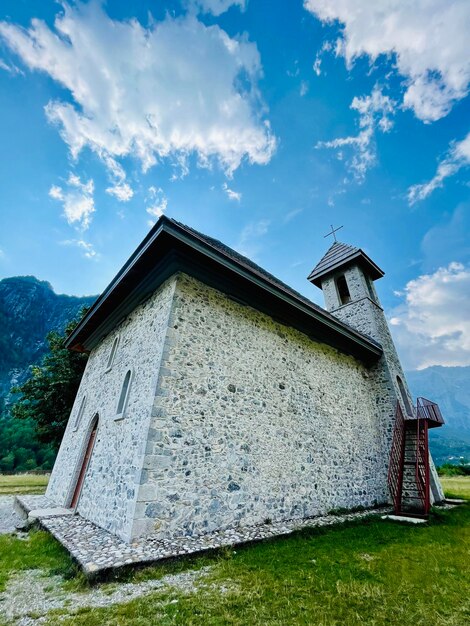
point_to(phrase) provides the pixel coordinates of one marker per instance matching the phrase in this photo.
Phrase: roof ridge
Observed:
(266, 275)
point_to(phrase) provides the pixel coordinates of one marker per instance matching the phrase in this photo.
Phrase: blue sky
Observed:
(259, 123)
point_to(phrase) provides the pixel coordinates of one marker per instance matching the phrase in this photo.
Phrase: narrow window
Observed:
(371, 289)
(112, 354)
(81, 410)
(404, 396)
(343, 290)
(124, 394)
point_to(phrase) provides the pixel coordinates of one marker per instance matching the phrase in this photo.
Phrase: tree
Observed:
(48, 395)
(7, 463)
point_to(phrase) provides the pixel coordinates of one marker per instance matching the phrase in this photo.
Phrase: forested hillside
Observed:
(29, 309)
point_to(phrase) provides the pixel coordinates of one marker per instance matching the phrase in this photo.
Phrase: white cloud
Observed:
(123, 192)
(158, 203)
(249, 241)
(2, 254)
(375, 112)
(428, 41)
(168, 91)
(303, 88)
(216, 7)
(232, 195)
(457, 157)
(326, 47)
(87, 248)
(432, 326)
(77, 199)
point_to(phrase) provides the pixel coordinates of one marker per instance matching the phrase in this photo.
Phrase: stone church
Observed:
(217, 397)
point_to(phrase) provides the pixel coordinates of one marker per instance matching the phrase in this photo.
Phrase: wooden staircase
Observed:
(409, 471)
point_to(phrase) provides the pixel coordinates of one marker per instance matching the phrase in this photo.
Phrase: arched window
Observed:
(126, 386)
(404, 396)
(343, 289)
(81, 410)
(112, 354)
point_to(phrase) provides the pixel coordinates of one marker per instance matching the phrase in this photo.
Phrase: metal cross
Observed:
(333, 232)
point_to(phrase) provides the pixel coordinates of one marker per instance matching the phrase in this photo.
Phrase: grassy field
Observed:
(371, 572)
(456, 486)
(17, 484)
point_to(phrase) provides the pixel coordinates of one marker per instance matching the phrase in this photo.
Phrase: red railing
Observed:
(426, 415)
(422, 463)
(397, 459)
(427, 410)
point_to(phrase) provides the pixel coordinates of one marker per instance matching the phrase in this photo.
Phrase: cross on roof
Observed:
(333, 232)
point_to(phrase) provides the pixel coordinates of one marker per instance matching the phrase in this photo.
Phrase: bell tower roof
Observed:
(341, 255)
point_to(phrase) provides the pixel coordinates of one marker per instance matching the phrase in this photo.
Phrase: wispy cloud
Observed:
(447, 239)
(375, 112)
(87, 248)
(291, 214)
(457, 157)
(158, 203)
(231, 194)
(77, 199)
(11, 69)
(326, 47)
(249, 243)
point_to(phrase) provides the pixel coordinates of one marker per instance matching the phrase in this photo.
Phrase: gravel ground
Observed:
(31, 594)
(8, 518)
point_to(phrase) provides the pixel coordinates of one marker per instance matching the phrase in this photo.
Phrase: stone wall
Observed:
(110, 489)
(365, 314)
(253, 421)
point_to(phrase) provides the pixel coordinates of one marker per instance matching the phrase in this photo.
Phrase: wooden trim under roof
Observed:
(171, 247)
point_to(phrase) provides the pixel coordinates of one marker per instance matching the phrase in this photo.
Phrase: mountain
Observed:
(450, 388)
(29, 309)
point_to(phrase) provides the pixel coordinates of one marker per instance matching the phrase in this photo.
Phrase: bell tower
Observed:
(346, 275)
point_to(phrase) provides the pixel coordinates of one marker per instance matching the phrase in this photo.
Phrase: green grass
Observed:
(17, 484)
(39, 551)
(456, 486)
(372, 572)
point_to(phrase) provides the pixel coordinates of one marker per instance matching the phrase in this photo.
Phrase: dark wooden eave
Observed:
(172, 247)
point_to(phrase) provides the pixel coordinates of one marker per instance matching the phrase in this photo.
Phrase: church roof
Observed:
(340, 255)
(172, 247)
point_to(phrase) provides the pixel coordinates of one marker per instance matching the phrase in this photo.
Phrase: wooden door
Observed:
(83, 469)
